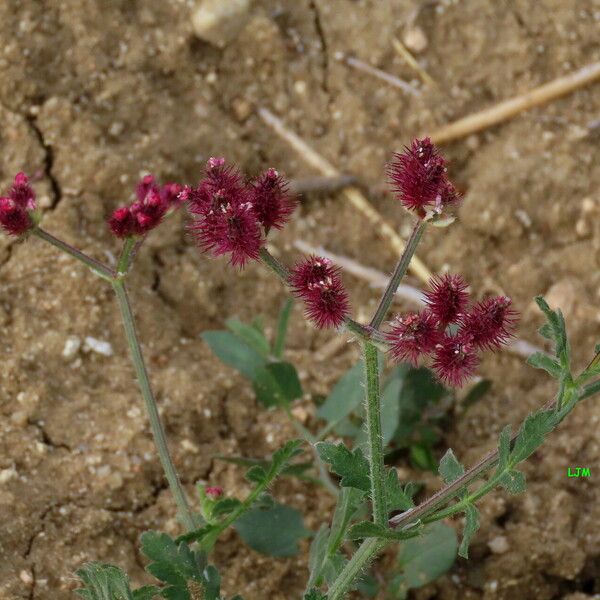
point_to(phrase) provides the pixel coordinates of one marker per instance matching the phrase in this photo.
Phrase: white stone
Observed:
(98, 346)
(71, 348)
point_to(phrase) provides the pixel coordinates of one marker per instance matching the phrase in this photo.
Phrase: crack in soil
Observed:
(48, 161)
(46, 439)
(314, 8)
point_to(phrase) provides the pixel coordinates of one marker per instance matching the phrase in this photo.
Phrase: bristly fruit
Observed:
(412, 336)
(447, 298)
(224, 221)
(486, 325)
(319, 285)
(419, 179)
(271, 200)
(15, 209)
(147, 211)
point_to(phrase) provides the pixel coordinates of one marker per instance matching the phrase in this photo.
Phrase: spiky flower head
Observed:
(455, 360)
(447, 298)
(418, 177)
(214, 492)
(319, 285)
(490, 323)
(15, 217)
(224, 221)
(271, 199)
(144, 214)
(412, 336)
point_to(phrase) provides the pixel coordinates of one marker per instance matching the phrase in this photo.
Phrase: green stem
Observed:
(374, 436)
(151, 407)
(96, 266)
(355, 566)
(125, 258)
(398, 274)
(311, 440)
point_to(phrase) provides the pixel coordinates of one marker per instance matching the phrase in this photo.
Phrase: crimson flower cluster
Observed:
(233, 216)
(419, 179)
(318, 283)
(15, 208)
(152, 203)
(451, 331)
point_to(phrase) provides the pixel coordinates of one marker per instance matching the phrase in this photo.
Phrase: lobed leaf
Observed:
(450, 469)
(108, 582)
(513, 482)
(397, 498)
(352, 467)
(471, 526)
(532, 433)
(540, 360)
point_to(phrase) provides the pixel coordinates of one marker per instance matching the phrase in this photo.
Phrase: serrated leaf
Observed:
(471, 526)
(556, 331)
(277, 384)
(105, 582)
(274, 531)
(225, 506)
(352, 467)
(234, 352)
(249, 334)
(513, 482)
(397, 498)
(256, 474)
(345, 396)
(425, 558)
(175, 565)
(540, 360)
(148, 592)
(259, 474)
(450, 469)
(531, 435)
(317, 554)
(504, 447)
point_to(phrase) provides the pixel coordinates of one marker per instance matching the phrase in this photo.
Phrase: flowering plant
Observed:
(232, 216)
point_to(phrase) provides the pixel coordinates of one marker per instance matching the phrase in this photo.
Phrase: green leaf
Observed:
(476, 393)
(148, 592)
(225, 507)
(234, 352)
(349, 501)
(277, 384)
(531, 435)
(556, 331)
(317, 554)
(249, 334)
(397, 498)
(175, 565)
(540, 360)
(104, 582)
(424, 558)
(352, 467)
(504, 448)
(366, 529)
(390, 403)
(333, 567)
(293, 470)
(422, 458)
(315, 594)
(344, 397)
(450, 469)
(282, 327)
(274, 531)
(266, 474)
(471, 526)
(513, 482)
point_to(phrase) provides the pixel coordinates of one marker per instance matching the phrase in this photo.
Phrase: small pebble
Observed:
(26, 577)
(414, 39)
(7, 474)
(98, 346)
(72, 345)
(499, 545)
(218, 22)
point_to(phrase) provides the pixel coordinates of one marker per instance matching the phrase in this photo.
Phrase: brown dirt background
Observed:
(94, 93)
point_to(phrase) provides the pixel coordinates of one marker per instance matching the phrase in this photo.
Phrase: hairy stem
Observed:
(96, 266)
(398, 274)
(158, 431)
(355, 566)
(374, 436)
